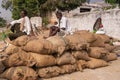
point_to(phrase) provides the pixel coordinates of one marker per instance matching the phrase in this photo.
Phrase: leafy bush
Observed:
(2, 22)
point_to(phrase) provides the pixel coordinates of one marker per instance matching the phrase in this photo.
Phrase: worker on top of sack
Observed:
(20, 27)
(98, 26)
(61, 26)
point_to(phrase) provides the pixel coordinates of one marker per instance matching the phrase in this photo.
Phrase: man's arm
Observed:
(28, 25)
(14, 22)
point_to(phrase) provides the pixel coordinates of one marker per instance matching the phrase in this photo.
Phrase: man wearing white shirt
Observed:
(20, 27)
(60, 25)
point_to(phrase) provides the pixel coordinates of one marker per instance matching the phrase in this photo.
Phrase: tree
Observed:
(2, 22)
(113, 1)
(35, 7)
(69, 4)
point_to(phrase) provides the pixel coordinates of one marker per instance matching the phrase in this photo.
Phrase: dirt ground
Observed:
(111, 72)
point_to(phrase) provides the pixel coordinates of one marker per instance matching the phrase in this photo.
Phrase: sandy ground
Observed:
(111, 72)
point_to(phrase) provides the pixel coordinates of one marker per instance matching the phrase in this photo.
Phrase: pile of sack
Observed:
(32, 58)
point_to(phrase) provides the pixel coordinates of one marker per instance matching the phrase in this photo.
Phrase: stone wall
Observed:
(110, 20)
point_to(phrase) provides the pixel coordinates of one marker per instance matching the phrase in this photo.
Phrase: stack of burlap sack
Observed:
(29, 58)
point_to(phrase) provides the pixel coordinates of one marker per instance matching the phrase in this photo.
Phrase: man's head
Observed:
(23, 13)
(58, 14)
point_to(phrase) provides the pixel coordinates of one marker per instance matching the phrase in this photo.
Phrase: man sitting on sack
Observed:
(61, 26)
(20, 27)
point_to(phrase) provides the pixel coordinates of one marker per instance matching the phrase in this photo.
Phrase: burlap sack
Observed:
(109, 47)
(75, 42)
(20, 41)
(99, 42)
(86, 35)
(11, 49)
(66, 58)
(3, 79)
(81, 55)
(43, 60)
(49, 72)
(19, 59)
(19, 73)
(69, 68)
(59, 42)
(96, 63)
(110, 57)
(105, 38)
(116, 50)
(3, 56)
(2, 67)
(97, 52)
(82, 64)
(43, 34)
(41, 46)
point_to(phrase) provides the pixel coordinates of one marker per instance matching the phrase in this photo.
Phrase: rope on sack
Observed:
(65, 41)
(3, 57)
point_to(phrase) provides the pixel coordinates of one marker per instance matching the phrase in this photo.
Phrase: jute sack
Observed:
(59, 42)
(3, 79)
(86, 35)
(116, 50)
(97, 52)
(43, 60)
(66, 58)
(19, 59)
(75, 42)
(2, 67)
(69, 68)
(20, 73)
(43, 34)
(110, 57)
(109, 47)
(49, 72)
(99, 42)
(105, 38)
(82, 64)
(3, 56)
(96, 63)
(81, 55)
(40, 46)
(11, 49)
(20, 41)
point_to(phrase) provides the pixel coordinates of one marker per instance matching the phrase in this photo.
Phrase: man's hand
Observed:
(8, 25)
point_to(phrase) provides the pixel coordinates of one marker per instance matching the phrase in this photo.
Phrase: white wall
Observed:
(110, 20)
(6, 14)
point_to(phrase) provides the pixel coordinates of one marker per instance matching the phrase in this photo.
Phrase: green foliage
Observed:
(68, 4)
(113, 2)
(2, 22)
(6, 4)
(45, 21)
(4, 34)
(37, 7)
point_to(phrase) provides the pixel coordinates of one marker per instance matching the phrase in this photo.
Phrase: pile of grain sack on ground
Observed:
(30, 59)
